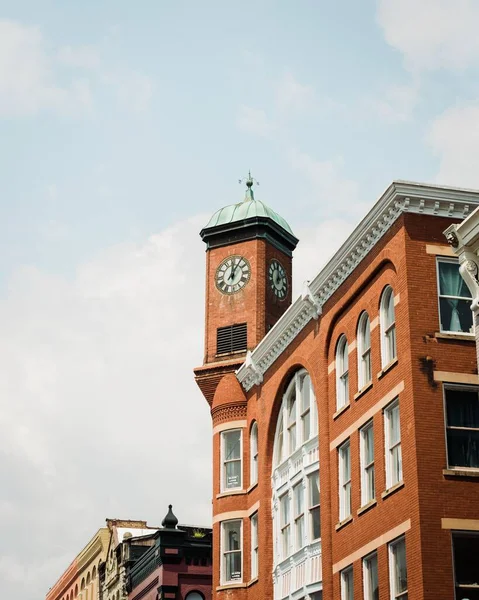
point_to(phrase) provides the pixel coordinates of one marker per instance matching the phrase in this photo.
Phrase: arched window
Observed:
(364, 351)
(253, 454)
(194, 596)
(88, 579)
(388, 327)
(93, 573)
(82, 586)
(342, 373)
(76, 591)
(295, 482)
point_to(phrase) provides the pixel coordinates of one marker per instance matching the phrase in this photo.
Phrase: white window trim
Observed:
(342, 373)
(386, 359)
(364, 354)
(254, 548)
(299, 516)
(285, 526)
(366, 561)
(224, 581)
(388, 449)
(392, 569)
(345, 573)
(223, 487)
(254, 454)
(344, 484)
(364, 467)
(455, 261)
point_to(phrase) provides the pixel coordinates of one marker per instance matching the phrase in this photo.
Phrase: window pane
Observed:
(233, 566)
(400, 572)
(462, 407)
(305, 393)
(314, 489)
(463, 448)
(466, 552)
(450, 281)
(284, 509)
(232, 444)
(306, 426)
(233, 474)
(316, 523)
(371, 578)
(292, 409)
(232, 533)
(394, 431)
(455, 314)
(347, 590)
(369, 445)
(298, 499)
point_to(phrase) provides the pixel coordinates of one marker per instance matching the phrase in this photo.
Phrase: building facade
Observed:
(345, 424)
(80, 580)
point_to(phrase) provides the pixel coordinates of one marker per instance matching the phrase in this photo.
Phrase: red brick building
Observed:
(345, 424)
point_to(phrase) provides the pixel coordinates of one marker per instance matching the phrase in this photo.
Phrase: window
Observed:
(454, 298)
(285, 526)
(194, 596)
(314, 506)
(232, 338)
(342, 373)
(347, 588)
(253, 454)
(232, 464)
(254, 545)
(392, 437)
(462, 426)
(231, 551)
(466, 574)
(364, 351)
(298, 495)
(344, 481)
(388, 327)
(366, 451)
(370, 577)
(397, 569)
(292, 422)
(306, 408)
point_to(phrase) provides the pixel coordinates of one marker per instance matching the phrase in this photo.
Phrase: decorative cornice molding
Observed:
(400, 197)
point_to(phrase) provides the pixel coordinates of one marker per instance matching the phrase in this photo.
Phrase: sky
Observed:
(123, 127)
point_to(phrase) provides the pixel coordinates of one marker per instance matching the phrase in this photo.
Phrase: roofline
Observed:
(400, 197)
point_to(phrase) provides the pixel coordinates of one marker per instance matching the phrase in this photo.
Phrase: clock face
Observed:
(278, 279)
(232, 274)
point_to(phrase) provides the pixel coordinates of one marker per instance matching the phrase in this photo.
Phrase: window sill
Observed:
(387, 368)
(367, 506)
(465, 337)
(251, 487)
(392, 490)
(342, 524)
(341, 410)
(464, 472)
(231, 493)
(253, 581)
(230, 586)
(363, 390)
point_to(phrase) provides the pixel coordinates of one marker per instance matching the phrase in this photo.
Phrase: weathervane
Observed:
(248, 180)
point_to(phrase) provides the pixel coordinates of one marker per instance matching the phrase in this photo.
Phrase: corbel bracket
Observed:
(308, 296)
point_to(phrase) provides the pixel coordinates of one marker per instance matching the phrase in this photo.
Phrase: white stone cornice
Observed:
(400, 197)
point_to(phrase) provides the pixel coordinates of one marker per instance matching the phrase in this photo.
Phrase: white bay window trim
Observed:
(231, 460)
(231, 552)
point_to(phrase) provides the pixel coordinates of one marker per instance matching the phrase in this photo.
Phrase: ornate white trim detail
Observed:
(399, 198)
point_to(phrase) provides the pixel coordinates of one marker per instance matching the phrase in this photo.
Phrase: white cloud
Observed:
(329, 185)
(254, 120)
(292, 95)
(30, 76)
(27, 82)
(432, 34)
(397, 103)
(454, 137)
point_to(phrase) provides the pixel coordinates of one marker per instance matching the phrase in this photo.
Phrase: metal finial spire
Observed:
(249, 186)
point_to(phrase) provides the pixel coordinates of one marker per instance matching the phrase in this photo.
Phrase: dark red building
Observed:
(176, 566)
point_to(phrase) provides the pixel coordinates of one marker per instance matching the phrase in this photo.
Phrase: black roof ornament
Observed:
(170, 521)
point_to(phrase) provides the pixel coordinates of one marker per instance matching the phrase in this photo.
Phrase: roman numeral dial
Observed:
(232, 274)
(278, 279)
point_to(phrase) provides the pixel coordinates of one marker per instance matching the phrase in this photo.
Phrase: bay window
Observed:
(232, 559)
(231, 452)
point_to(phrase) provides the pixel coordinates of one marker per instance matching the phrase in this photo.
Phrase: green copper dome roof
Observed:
(247, 209)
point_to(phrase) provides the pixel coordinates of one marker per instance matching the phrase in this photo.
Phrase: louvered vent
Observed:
(232, 338)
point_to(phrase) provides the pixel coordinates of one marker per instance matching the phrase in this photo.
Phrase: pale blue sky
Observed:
(123, 126)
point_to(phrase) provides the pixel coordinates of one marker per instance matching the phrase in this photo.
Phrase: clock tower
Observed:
(248, 283)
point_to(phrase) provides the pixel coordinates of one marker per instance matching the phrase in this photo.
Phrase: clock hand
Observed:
(233, 270)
